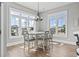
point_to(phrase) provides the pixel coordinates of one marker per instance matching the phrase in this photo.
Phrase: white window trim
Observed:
(10, 26)
(20, 17)
(65, 23)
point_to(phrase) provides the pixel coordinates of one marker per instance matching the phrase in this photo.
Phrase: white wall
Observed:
(72, 21)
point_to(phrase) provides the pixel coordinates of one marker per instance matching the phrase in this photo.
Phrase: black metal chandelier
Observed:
(38, 18)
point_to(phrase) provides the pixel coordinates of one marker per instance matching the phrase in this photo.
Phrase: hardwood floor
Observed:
(58, 50)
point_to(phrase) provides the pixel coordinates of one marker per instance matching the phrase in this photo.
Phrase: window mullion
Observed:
(20, 28)
(56, 24)
(28, 21)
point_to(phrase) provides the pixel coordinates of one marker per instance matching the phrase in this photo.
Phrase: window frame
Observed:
(20, 17)
(10, 26)
(54, 14)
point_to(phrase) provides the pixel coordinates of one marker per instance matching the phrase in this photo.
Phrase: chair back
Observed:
(46, 34)
(52, 30)
(24, 31)
(25, 34)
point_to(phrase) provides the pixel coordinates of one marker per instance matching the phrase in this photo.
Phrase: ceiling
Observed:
(43, 6)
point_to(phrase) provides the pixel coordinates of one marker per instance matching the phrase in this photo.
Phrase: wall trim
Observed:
(58, 40)
(65, 41)
(14, 43)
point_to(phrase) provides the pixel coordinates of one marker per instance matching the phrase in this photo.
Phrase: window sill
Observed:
(62, 36)
(11, 37)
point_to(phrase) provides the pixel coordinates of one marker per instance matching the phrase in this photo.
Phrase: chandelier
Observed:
(38, 18)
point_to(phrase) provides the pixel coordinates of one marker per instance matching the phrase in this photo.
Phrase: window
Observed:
(20, 20)
(53, 24)
(61, 25)
(14, 26)
(24, 22)
(31, 24)
(58, 23)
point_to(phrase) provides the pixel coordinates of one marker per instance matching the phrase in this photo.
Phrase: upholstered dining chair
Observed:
(46, 40)
(40, 40)
(51, 37)
(28, 40)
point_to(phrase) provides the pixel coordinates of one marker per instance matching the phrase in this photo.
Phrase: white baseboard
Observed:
(58, 40)
(64, 41)
(14, 43)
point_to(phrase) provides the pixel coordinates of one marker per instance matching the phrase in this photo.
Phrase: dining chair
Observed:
(40, 40)
(51, 37)
(28, 40)
(46, 41)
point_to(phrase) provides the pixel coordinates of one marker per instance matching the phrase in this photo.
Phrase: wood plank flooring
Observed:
(58, 50)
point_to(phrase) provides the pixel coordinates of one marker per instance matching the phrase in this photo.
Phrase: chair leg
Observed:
(43, 45)
(31, 44)
(24, 47)
(28, 47)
